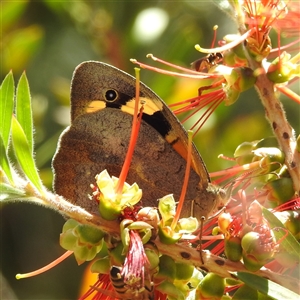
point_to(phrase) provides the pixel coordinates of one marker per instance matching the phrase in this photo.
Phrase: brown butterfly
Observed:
(102, 101)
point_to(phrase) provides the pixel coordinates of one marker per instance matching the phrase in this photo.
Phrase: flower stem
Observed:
(283, 131)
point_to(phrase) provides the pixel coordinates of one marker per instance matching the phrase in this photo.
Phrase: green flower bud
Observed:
(224, 220)
(211, 287)
(167, 268)
(171, 290)
(184, 271)
(243, 153)
(282, 69)
(270, 158)
(233, 248)
(167, 235)
(251, 263)
(84, 240)
(111, 202)
(89, 234)
(196, 278)
(109, 211)
(101, 266)
(116, 254)
(256, 50)
(257, 250)
(231, 95)
(86, 252)
(245, 79)
(280, 191)
(238, 51)
(291, 221)
(152, 255)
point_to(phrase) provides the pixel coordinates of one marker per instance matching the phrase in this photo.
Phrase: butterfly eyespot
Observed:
(111, 95)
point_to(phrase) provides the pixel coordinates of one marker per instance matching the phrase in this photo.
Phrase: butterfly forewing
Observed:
(98, 137)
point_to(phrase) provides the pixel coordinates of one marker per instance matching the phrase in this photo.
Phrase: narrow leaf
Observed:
(267, 287)
(4, 162)
(8, 192)
(23, 109)
(24, 155)
(287, 241)
(6, 107)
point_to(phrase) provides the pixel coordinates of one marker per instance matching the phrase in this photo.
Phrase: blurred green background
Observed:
(49, 39)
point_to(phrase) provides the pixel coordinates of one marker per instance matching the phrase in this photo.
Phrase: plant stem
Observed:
(274, 111)
(283, 131)
(179, 252)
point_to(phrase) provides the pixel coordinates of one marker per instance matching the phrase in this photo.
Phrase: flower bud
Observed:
(152, 255)
(233, 249)
(86, 241)
(280, 191)
(169, 289)
(167, 268)
(224, 220)
(211, 287)
(236, 55)
(291, 221)
(245, 79)
(256, 250)
(282, 69)
(111, 202)
(231, 95)
(243, 153)
(101, 266)
(259, 51)
(270, 158)
(167, 235)
(184, 271)
(116, 254)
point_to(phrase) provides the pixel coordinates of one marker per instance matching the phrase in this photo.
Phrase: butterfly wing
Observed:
(102, 101)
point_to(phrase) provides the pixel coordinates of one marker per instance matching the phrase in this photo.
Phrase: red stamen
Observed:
(136, 122)
(289, 93)
(198, 75)
(215, 28)
(47, 267)
(185, 182)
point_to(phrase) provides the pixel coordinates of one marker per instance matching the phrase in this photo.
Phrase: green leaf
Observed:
(6, 107)
(4, 162)
(267, 287)
(23, 109)
(287, 241)
(7, 191)
(24, 155)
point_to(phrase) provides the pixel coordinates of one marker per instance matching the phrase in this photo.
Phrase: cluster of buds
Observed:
(134, 260)
(267, 165)
(253, 240)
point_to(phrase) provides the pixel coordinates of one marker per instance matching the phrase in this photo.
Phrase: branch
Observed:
(283, 131)
(179, 252)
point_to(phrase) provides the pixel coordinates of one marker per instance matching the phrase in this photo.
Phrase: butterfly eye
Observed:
(111, 95)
